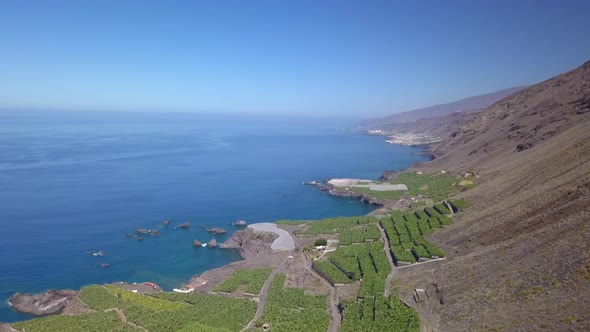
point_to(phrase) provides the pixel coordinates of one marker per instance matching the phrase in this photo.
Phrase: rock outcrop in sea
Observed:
(212, 243)
(197, 244)
(185, 225)
(216, 230)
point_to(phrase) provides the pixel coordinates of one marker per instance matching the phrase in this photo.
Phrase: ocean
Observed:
(73, 182)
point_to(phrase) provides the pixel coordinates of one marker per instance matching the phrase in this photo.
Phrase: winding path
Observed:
(333, 312)
(124, 320)
(335, 317)
(390, 259)
(264, 293)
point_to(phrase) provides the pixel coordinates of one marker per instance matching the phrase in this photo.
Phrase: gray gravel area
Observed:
(283, 242)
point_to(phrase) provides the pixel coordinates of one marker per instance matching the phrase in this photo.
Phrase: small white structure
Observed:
(183, 290)
(371, 185)
(387, 187)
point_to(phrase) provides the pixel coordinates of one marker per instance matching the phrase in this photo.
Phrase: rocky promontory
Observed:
(5, 327)
(48, 303)
(335, 191)
(248, 244)
(389, 175)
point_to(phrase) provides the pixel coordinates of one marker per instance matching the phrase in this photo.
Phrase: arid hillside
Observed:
(525, 119)
(519, 257)
(472, 103)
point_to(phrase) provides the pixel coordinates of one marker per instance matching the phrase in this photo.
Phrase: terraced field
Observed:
(370, 311)
(406, 231)
(290, 310)
(437, 186)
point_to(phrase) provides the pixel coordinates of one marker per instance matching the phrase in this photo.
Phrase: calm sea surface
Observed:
(75, 182)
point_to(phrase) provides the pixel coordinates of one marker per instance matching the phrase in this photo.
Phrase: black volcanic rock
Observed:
(48, 303)
(248, 243)
(216, 230)
(185, 225)
(236, 241)
(389, 175)
(5, 327)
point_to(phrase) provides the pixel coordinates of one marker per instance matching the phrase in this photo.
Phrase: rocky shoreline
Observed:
(254, 248)
(332, 190)
(326, 187)
(49, 303)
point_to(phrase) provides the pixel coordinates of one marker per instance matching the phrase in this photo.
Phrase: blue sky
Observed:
(349, 58)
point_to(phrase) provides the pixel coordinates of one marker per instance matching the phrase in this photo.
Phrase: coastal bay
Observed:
(85, 181)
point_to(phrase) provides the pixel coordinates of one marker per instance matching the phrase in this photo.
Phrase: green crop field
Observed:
(388, 195)
(438, 187)
(406, 231)
(378, 313)
(331, 272)
(335, 225)
(290, 310)
(93, 322)
(251, 281)
(166, 311)
(372, 311)
(347, 262)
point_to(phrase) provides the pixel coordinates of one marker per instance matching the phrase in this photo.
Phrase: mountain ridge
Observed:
(472, 103)
(519, 257)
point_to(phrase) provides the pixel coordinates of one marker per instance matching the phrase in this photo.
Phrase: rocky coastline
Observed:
(330, 189)
(325, 186)
(254, 249)
(48, 303)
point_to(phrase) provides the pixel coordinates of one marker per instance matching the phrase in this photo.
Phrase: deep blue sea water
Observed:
(74, 182)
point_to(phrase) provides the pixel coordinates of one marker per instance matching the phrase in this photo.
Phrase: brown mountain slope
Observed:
(466, 104)
(519, 258)
(525, 119)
